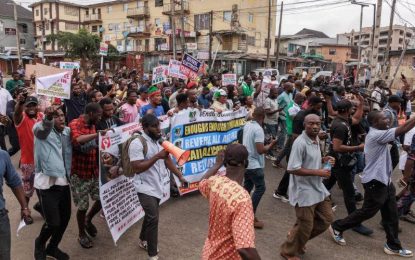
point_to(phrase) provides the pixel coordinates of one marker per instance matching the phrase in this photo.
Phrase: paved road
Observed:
(184, 224)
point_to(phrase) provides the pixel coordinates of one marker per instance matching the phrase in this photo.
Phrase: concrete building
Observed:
(399, 34)
(407, 67)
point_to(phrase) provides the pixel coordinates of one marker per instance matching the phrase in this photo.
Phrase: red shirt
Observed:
(231, 218)
(26, 137)
(84, 164)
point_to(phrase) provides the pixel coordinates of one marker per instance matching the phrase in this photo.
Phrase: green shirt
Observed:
(289, 119)
(247, 90)
(12, 84)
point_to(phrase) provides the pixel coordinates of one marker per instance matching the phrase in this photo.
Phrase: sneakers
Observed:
(56, 254)
(283, 198)
(270, 157)
(40, 253)
(143, 245)
(337, 236)
(408, 218)
(363, 230)
(258, 224)
(401, 252)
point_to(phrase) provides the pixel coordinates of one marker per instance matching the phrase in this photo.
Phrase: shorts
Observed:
(28, 178)
(82, 190)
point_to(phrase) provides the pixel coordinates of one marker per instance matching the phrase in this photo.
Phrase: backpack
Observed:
(125, 158)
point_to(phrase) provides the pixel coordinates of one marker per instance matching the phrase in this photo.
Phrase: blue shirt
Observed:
(253, 133)
(8, 173)
(377, 156)
(157, 111)
(203, 100)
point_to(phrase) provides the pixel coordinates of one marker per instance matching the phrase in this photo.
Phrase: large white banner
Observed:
(57, 85)
(119, 199)
(204, 133)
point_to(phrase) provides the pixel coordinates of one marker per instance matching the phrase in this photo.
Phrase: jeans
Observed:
(344, 177)
(271, 130)
(282, 133)
(56, 208)
(255, 177)
(311, 222)
(149, 229)
(4, 235)
(282, 188)
(377, 197)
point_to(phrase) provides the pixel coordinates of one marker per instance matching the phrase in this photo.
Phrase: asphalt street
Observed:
(183, 228)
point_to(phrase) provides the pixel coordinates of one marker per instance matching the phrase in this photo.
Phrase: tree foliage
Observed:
(83, 44)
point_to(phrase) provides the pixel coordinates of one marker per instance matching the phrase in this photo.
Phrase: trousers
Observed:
(4, 235)
(255, 177)
(149, 229)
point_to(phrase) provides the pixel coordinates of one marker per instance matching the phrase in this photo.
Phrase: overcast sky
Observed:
(323, 16)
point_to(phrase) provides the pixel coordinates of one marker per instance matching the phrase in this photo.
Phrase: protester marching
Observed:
(119, 145)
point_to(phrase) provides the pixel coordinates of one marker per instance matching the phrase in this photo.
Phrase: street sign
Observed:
(103, 49)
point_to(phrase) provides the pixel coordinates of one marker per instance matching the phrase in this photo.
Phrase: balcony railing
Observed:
(92, 18)
(167, 8)
(138, 12)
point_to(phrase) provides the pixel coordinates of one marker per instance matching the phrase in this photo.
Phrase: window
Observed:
(125, 7)
(126, 25)
(250, 40)
(159, 3)
(227, 16)
(22, 41)
(1, 26)
(23, 28)
(37, 12)
(109, 9)
(71, 11)
(267, 43)
(110, 27)
(332, 51)
(87, 12)
(47, 26)
(158, 42)
(202, 21)
(250, 17)
(157, 22)
(94, 28)
(71, 26)
(45, 11)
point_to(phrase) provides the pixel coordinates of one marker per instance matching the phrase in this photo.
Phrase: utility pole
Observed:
(173, 28)
(182, 32)
(19, 55)
(210, 39)
(375, 54)
(359, 45)
(406, 43)
(373, 31)
(279, 36)
(388, 45)
(269, 34)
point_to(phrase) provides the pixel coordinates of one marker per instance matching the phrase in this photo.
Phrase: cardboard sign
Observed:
(159, 74)
(174, 70)
(58, 85)
(228, 79)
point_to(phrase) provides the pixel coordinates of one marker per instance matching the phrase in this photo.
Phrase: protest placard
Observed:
(41, 70)
(174, 70)
(228, 79)
(204, 133)
(190, 66)
(69, 65)
(58, 85)
(103, 49)
(119, 198)
(159, 74)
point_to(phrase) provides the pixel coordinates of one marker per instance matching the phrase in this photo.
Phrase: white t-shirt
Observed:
(272, 105)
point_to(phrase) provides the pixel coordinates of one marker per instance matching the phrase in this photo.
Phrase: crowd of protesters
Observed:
(329, 130)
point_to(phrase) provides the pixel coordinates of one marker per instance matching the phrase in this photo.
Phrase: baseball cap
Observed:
(31, 99)
(143, 89)
(191, 84)
(237, 153)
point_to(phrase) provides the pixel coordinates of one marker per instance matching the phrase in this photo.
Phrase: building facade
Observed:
(399, 35)
(8, 39)
(146, 25)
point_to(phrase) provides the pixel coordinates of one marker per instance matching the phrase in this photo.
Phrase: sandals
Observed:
(90, 229)
(85, 242)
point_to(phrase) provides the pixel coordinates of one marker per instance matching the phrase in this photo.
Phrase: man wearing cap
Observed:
(220, 103)
(143, 99)
(25, 116)
(154, 107)
(231, 233)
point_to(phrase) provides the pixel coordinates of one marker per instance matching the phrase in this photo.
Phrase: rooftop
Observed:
(6, 10)
(313, 33)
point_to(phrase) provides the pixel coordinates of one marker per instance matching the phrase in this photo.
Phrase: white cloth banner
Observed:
(57, 85)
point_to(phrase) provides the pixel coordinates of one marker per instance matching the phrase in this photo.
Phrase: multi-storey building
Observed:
(399, 34)
(146, 25)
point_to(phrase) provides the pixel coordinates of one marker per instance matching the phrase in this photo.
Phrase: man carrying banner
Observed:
(231, 233)
(151, 164)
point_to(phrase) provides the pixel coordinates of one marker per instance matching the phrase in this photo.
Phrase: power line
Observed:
(399, 16)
